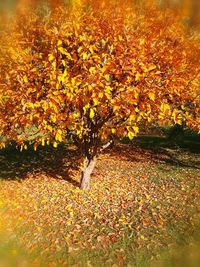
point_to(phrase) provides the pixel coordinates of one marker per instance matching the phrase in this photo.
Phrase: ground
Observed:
(143, 208)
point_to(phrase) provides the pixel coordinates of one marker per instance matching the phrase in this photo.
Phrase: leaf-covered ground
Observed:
(144, 201)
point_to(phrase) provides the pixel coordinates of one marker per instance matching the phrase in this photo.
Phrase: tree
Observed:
(90, 74)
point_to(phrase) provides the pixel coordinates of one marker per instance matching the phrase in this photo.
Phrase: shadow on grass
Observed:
(155, 142)
(180, 152)
(56, 163)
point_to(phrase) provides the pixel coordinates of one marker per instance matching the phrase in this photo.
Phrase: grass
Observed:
(142, 210)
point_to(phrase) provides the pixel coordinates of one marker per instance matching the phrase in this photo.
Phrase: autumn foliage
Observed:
(93, 70)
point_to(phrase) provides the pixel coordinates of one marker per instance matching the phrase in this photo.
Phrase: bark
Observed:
(89, 165)
(91, 154)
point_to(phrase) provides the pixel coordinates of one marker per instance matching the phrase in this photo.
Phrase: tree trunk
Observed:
(89, 165)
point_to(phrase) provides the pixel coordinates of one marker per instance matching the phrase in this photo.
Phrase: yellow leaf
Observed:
(25, 79)
(51, 57)
(165, 108)
(136, 129)
(100, 95)
(136, 109)
(107, 77)
(108, 89)
(179, 122)
(91, 50)
(104, 69)
(43, 142)
(113, 131)
(131, 135)
(132, 117)
(85, 55)
(53, 118)
(177, 117)
(58, 136)
(34, 70)
(152, 96)
(137, 76)
(151, 67)
(55, 144)
(64, 63)
(54, 65)
(95, 101)
(64, 52)
(49, 127)
(59, 131)
(92, 69)
(92, 113)
(73, 80)
(59, 42)
(142, 41)
(80, 49)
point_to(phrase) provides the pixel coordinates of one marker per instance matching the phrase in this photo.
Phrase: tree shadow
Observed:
(183, 152)
(189, 144)
(56, 163)
(63, 162)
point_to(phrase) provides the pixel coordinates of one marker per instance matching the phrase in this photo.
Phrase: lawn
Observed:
(143, 208)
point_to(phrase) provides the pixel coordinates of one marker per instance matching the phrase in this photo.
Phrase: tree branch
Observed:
(106, 145)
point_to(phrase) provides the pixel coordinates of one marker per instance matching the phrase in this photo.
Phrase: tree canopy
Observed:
(93, 70)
